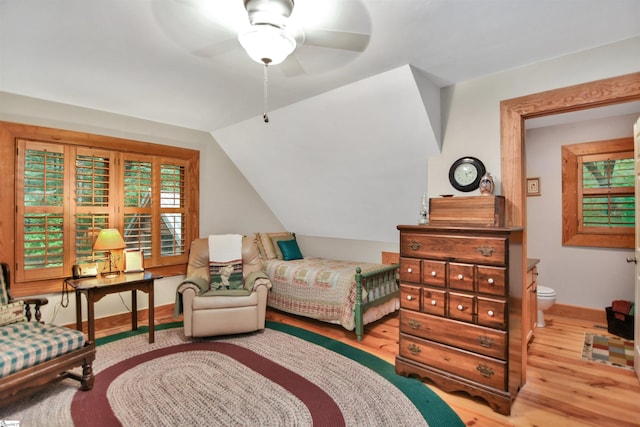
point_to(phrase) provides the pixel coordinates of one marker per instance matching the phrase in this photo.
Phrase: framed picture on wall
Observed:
(533, 186)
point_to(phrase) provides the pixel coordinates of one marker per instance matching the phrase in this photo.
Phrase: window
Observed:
(66, 189)
(598, 194)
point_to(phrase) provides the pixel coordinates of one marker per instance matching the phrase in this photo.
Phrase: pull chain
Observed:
(265, 116)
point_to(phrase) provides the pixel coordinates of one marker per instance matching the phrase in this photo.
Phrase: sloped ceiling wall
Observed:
(350, 163)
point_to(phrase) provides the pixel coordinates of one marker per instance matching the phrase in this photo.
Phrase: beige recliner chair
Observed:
(221, 312)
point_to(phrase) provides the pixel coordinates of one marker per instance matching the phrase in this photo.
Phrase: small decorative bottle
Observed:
(424, 210)
(486, 184)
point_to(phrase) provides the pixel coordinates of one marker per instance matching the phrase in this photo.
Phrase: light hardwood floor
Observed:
(561, 389)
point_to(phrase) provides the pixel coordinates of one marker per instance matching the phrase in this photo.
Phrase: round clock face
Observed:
(465, 174)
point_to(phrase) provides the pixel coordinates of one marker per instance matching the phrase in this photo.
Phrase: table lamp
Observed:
(108, 240)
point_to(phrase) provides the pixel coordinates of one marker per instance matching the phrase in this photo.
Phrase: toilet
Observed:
(546, 298)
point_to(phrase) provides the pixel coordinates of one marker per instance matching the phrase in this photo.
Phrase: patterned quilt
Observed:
(25, 344)
(319, 288)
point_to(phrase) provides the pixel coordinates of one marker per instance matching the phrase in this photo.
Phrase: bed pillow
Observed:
(276, 247)
(290, 250)
(265, 244)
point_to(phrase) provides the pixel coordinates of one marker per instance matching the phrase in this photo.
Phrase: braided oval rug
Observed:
(268, 378)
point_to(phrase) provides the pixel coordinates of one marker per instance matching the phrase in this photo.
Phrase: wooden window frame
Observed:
(10, 133)
(573, 232)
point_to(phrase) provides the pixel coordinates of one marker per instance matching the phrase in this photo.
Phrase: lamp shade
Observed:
(267, 44)
(108, 239)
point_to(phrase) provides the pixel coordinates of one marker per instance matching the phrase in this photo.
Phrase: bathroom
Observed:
(585, 280)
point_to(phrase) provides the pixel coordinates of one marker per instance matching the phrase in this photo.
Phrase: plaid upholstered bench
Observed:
(32, 355)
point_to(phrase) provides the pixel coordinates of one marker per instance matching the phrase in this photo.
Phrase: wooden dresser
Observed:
(461, 309)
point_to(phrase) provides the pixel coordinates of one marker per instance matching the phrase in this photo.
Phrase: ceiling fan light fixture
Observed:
(267, 44)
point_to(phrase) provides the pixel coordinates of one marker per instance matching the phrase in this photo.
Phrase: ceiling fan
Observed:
(273, 35)
(270, 31)
(211, 28)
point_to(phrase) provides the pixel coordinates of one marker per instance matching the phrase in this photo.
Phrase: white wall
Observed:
(347, 164)
(228, 204)
(471, 109)
(581, 276)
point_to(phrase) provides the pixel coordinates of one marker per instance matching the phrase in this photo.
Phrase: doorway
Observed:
(514, 112)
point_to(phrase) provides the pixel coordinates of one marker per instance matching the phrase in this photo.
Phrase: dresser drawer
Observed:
(410, 297)
(482, 250)
(478, 339)
(491, 280)
(491, 312)
(434, 301)
(461, 276)
(434, 273)
(481, 369)
(410, 270)
(461, 307)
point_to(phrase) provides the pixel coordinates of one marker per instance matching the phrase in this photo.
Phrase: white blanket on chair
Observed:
(225, 247)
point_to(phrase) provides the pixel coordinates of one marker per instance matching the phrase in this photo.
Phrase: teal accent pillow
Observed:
(290, 250)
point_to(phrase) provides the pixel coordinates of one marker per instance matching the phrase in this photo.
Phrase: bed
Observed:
(348, 293)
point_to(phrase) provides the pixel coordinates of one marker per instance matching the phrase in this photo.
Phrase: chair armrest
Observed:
(198, 284)
(36, 303)
(261, 282)
(257, 279)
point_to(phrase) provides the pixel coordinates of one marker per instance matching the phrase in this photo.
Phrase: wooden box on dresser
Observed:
(461, 309)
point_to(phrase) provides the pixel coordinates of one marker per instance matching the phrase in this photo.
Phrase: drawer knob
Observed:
(434, 302)
(485, 370)
(490, 281)
(460, 276)
(490, 313)
(409, 297)
(460, 307)
(486, 250)
(485, 341)
(414, 349)
(434, 274)
(415, 245)
(409, 270)
(414, 324)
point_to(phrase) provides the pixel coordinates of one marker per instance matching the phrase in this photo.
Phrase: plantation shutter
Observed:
(607, 191)
(40, 225)
(94, 203)
(172, 209)
(138, 198)
(154, 207)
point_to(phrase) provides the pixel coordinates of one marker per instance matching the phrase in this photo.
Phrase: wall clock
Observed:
(465, 174)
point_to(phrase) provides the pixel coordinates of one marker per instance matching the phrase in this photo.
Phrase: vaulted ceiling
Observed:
(167, 61)
(347, 125)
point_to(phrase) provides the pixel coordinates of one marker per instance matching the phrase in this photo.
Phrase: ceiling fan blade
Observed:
(336, 39)
(217, 48)
(291, 67)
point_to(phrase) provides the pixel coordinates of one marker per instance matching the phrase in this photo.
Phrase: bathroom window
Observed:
(598, 194)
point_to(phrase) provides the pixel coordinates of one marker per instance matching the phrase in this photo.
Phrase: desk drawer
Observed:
(491, 312)
(477, 339)
(481, 369)
(461, 276)
(434, 273)
(410, 270)
(461, 307)
(434, 301)
(491, 280)
(410, 297)
(482, 250)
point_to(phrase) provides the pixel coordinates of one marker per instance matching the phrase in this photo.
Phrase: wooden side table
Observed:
(94, 288)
